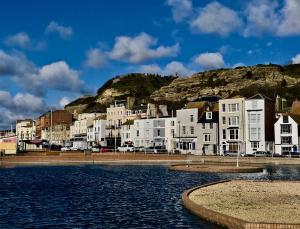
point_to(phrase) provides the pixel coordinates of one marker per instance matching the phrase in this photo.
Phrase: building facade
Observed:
(231, 125)
(259, 122)
(287, 134)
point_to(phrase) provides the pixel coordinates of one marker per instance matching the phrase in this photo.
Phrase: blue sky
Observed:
(54, 51)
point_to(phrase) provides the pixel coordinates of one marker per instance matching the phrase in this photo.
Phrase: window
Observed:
(224, 133)
(192, 129)
(285, 119)
(223, 108)
(211, 125)
(206, 138)
(183, 130)
(192, 118)
(254, 133)
(254, 118)
(286, 140)
(234, 134)
(172, 123)
(285, 150)
(173, 133)
(254, 105)
(224, 120)
(137, 133)
(233, 107)
(254, 145)
(203, 125)
(208, 115)
(286, 129)
(158, 133)
(233, 121)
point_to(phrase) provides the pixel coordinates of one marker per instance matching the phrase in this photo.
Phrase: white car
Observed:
(66, 148)
(126, 148)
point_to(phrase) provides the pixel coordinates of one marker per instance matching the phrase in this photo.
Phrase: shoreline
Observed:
(60, 158)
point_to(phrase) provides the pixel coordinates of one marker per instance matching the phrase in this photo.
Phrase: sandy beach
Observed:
(253, 201)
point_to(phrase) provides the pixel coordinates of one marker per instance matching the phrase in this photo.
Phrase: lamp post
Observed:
(179, 137)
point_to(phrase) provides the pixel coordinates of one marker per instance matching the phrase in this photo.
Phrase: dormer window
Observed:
(208, 115)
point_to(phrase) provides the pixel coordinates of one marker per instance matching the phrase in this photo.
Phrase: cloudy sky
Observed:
(54, 51)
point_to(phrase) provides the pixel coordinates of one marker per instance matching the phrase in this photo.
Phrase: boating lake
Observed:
(97, 196)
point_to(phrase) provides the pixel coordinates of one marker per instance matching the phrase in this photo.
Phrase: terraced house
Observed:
(231, 125)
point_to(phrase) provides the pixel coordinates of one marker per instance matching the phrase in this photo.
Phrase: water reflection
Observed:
(106, 196)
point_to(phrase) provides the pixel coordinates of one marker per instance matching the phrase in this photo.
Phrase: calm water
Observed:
(105, 196)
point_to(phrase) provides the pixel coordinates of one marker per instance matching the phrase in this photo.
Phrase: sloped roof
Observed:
(192, 105)
(128, 122)
(296, 118)
(214, 119)
(261, 96)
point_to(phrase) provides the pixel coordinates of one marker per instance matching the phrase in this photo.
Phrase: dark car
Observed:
(291, 154)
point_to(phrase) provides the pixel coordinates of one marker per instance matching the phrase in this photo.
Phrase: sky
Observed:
(52, 52)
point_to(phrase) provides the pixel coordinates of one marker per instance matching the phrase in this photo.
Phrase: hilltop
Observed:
(269, 79)
(137, 85)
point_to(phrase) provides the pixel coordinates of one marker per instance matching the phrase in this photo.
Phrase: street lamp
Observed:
(179, 136)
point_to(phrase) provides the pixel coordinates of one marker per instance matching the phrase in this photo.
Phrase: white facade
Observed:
(231, 125)
(286, 135)
(25, 129)
(96, 132)
(80, 126)
(255, 126)
(186, 136)
(154, 132)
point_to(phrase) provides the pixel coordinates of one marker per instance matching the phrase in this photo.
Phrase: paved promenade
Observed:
(136, 158)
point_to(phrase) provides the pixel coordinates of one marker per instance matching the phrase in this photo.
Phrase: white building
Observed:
(231, 125)
(127, 132)
(186, 136)
(259, 122)
(79, 127)
(154, 132)
(287, 134)
(96, 132)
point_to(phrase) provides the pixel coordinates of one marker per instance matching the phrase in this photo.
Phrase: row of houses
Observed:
(208, 125)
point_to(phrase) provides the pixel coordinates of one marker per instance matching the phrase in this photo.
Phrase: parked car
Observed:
(66, 148)
(139, 149)
(291, 154)
(126, 148)
(156, 149)
(95, 149)
(104, 150)
(230, 153)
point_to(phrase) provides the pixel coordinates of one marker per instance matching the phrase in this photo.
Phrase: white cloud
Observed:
(65, 32)
(95, 58)
(20, 39)
(290, 23)
(172, 68)
(210, 60)
(296, 59)
(60, 76)
(216, 18)
(181, 9)
(266, 16)
(64, 101)
(55, 76)
(177, 68)
(150, 68)
(261, 17)
(240, 64)
(23, 40)
(22, 102)
(140, 48)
